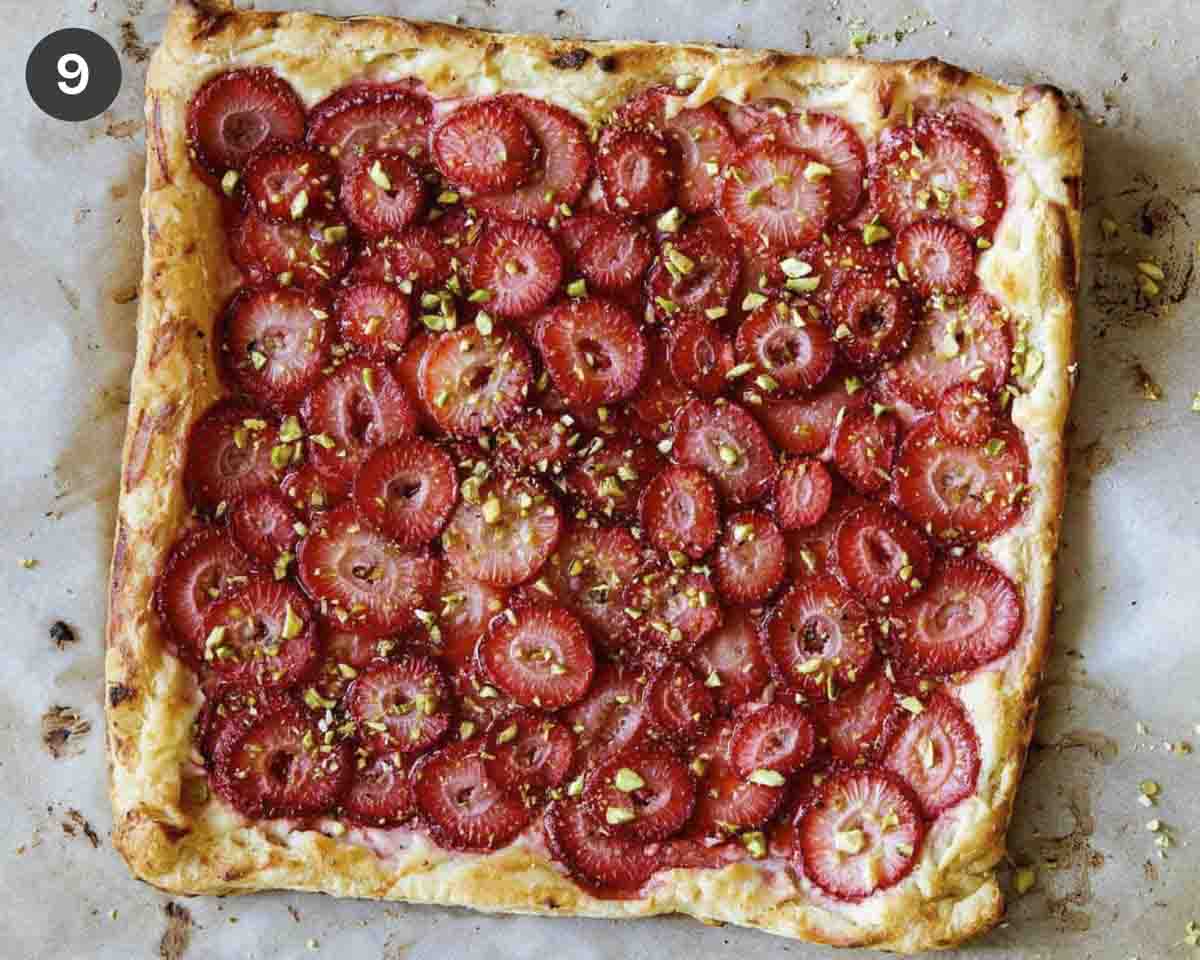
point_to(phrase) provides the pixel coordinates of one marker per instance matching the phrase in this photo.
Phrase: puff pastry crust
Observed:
(171, 839)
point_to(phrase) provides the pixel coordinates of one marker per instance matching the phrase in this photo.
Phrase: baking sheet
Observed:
(1122, 685)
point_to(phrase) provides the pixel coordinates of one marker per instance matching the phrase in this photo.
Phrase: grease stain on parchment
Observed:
(1087, 462)
(63, 732)
(177, 936)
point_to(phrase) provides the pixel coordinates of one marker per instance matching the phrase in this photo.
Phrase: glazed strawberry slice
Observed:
(408, 371)
(771, 200)
(594, 350)
(880, 556)
(670, 611)
(588, 573)
(638, 169)
(937, 169)
(287, 182)
(400, 707)
(480, 702)
(872, 318)
(969, 615)
(265, 527)
(464, 609)
(697, 270)
(280, 766)
(700, 356)
(535, 441)
(363, 580)
(305, 253)
(576, 230)
(789, 351)
(851, 725)
(375, 317)
(311, 493)
(264, 635)
(860, 834)
(407, 491)
(610, 481)
(472, 382)
(646, 794)
(731, 660)
(417, 255)
(565, 162)
(460, 229)
(529, 752)
(380, 794)
(237, 112)
(681, 706)
(615, 255)
(363, 118)
(833, 144)
(777, 738)
(486, 147)
(937, 753)
(383, 192)
(540, 656)
(680, 512)
(864, 448)
(229, 455)
(806, 426)
(660, 395)
(803, 492)
(613, 714)
(465, 808)
(965, 415)
(726, 441)
(726, 802)
(343, 654)
(811, 550)
(519, 267)
(938, 258)
(842, 255)
(503, 530)
(751, 558)
(593, 853)
(821, 639)
(962, 493)
(360, 406)
(202, 568)
(276, 344)
(228, 713)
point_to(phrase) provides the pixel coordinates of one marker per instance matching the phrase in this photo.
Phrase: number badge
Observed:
(73, 75)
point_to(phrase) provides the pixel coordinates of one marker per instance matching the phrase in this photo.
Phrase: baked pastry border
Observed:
(163, 828)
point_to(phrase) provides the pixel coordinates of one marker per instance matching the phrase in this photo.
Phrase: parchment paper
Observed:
(1125, 675)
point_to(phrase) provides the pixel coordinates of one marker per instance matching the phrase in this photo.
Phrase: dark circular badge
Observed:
(73, 74)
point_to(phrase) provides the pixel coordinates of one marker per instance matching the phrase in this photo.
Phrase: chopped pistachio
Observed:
(299, 204)
(577, 288)
(379, 177)
(508, 734)
(292, 624)
(715, 313)
(816, 171)
(802, 284)
(729, 456)
(680, 261)
(614, 816)
(1025, 879)
(1149, 268)
(753, 301)
(1109, 228)
(912, 705)
(229, 182)
(767, 778)
(755, 843)
(874, 233)
(739, 370)
(849, 841)
(792, 267)
(491, 509)
(671, 221)
(447, 197)
(627, 780)
(575, 787)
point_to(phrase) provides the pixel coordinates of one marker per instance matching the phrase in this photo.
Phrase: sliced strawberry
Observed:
(465, 808)
(613, 714)
(670, 611)
(751, 558)
(380, 794)
(236, 112)
(803, 492)
(660, 395)
(731, 660)
(576, 230)
(873, 320)
(937, 257)
(679, 511)
(480, 702)
(407, 491)
(806, 426)
(697, 270)
(276, 344)
(311, 493)
(280, 766)
(541, 656)
(228, 713)
(344, 654)
(201, 569)
(529, 751)
(408, 371)
(535, 441)
(861, 833)
(937, 753)
(594, 350)
(880, 556)
(965, 415)
(645, 794)
(851, 725)
(363, 118)
(769, 202)
(958, 492)
(593, 853)
(789, 351)
(486, 146)
(842, 255)
(464, 610)
(821, 638)
(288, 182)
(681, 706)
(519, 267)
(460, 229)
(864, 448)
(402, 706)
(969, 615)
(778, 738)
(563, 168)
(383, 192)
(472, 382)
(615, 255)
(833, 143)
(611, 480)
(727, 442)
(938, 168)
(503, 530)
(725, 802)
(375, 317)
(263, 636)
(417, 255)
(700, 356)
(306, 253)
(638, 169)
(363, 580)
(229, 455)
(264, 526)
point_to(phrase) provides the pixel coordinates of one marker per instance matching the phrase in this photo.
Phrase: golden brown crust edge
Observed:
(188, 848)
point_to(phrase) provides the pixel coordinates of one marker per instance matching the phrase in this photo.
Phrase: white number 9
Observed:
(74, 72)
